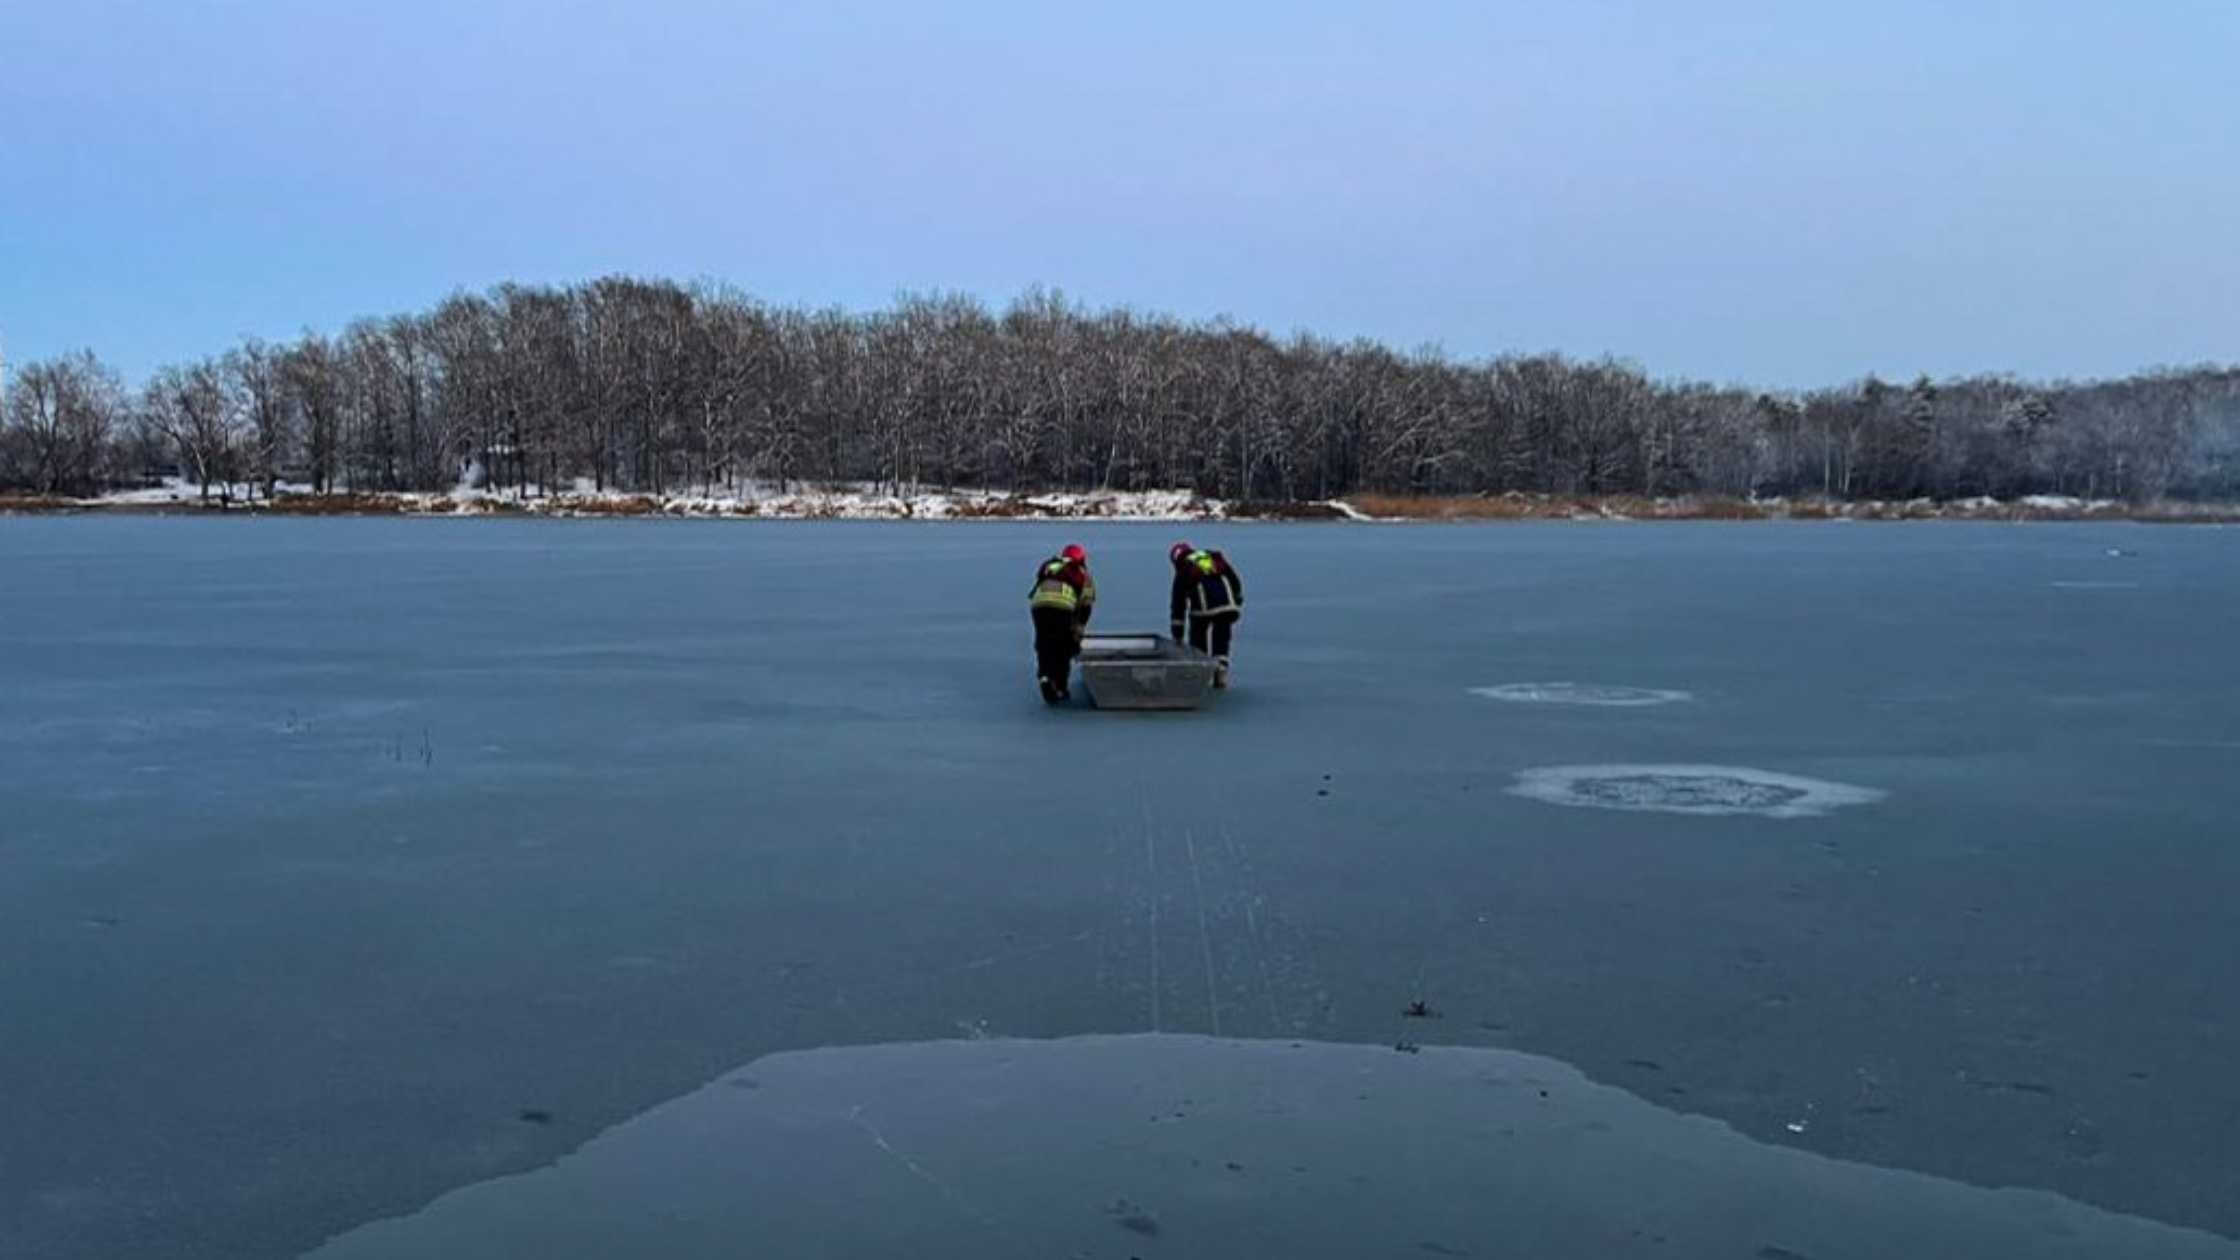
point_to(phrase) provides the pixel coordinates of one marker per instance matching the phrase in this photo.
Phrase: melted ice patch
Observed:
(1595, 694)
(1689, 790)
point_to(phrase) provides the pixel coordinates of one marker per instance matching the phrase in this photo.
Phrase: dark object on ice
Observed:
(1420, 1009)
(1407, 1047)
(1134, 1219)
(534, 1115)
(1143, 671)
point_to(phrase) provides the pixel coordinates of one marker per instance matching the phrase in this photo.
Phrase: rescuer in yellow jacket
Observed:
(1061, 601)
(1206, 600)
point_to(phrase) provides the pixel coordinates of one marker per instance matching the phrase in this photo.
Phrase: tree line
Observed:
(656, 387)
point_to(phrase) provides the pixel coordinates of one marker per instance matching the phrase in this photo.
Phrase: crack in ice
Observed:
(878, 1139)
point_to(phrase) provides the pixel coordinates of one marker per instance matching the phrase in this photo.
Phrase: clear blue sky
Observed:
(1783, 193)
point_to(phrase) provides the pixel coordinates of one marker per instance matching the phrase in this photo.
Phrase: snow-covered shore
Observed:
(755, 501)
(869, 503)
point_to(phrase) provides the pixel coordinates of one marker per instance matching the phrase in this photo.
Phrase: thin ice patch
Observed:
(1594, 694)
(931, 1139)
(1689, 790)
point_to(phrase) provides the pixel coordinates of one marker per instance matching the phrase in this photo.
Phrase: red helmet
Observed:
(1074, 553)
(1180, 552)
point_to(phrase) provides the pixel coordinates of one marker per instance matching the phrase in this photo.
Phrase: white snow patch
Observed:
(185, 490)
(2066, 503)
(173, 490)
(755, 499)
(1594, 694)
(1688, 789)
(861, 503)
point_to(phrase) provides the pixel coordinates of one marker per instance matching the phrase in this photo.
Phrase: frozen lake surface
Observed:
(348, 864)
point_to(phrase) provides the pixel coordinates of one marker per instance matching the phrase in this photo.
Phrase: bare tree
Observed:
(59, 424)
(645, 385)
(195, 413)
(313, 378)
(258, 378)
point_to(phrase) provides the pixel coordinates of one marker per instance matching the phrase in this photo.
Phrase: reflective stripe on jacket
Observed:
(1063, 585)
(1205, 585)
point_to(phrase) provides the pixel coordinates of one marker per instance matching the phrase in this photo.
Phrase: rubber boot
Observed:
(1221, 673)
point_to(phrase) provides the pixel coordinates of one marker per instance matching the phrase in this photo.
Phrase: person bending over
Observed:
(1061, 602)
(1207, 600)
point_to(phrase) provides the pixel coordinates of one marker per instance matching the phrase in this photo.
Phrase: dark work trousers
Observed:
(1054, 646)
(1211, 634)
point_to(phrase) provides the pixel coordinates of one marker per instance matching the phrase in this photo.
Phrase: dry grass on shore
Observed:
(36, 503)
(340, 503)
(1284, 510)
(1516, 506)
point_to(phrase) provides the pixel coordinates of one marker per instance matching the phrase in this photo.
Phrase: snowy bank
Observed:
(843, 504)
(762, 501)
(855, 502)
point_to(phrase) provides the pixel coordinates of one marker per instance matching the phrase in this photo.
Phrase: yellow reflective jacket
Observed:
(1064, 585)
(1205, 585)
